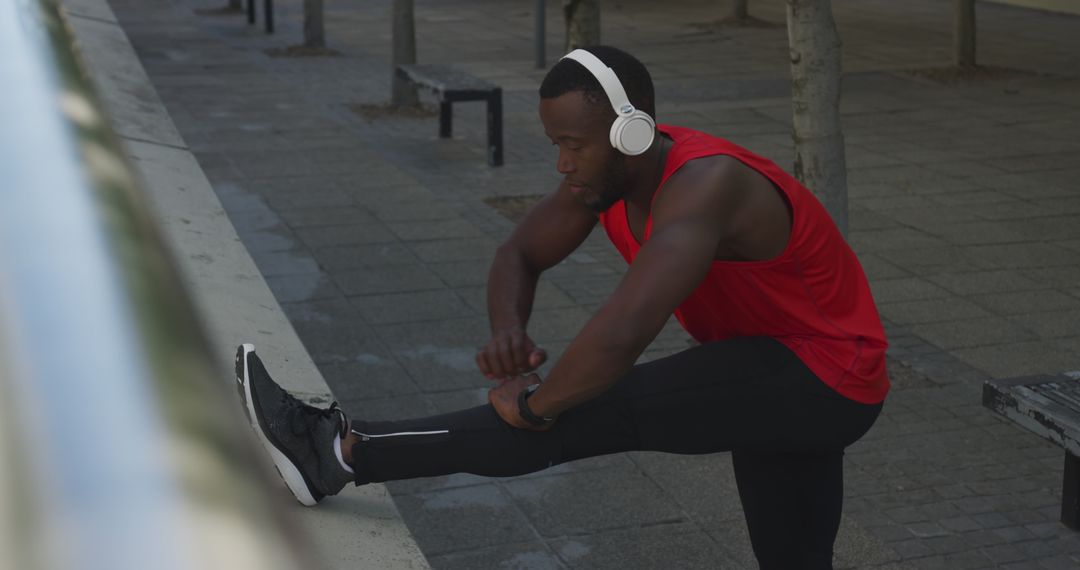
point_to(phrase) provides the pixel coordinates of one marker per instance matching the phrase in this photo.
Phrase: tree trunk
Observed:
(314, 36)
(403, 93)
(541, 34)
(815, 98)
(964, 32)
(739, 9)
(582, 23)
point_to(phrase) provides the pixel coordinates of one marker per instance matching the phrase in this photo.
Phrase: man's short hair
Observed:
(568, 75)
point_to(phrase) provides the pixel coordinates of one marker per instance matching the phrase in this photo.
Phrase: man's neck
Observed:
(646, 180)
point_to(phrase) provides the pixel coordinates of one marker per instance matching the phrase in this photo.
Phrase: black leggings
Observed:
(785, 428)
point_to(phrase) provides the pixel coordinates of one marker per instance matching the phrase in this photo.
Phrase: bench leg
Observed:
(1070, 492)
(495, 128)
(268, 13)
(446, 119)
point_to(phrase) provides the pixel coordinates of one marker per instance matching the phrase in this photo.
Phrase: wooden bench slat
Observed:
(1041, 404)
(1061, 415)
(1066, 395)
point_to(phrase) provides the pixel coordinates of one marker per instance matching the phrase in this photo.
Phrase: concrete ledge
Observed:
(361, 528)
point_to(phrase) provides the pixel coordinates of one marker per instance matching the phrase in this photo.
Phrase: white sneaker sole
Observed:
(285, 467)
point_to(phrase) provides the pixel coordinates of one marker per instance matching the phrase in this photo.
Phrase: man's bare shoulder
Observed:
(748, 212)
(707, 186)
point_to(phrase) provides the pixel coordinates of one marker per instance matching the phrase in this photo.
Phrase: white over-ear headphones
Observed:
(633, 130)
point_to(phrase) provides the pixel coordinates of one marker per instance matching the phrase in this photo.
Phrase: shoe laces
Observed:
(333, 410)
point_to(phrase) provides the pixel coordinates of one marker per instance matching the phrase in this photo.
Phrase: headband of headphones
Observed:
(633, 131)
(607, 78)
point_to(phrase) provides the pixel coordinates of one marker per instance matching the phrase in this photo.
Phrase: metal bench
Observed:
(1047, 405)
(450, 86)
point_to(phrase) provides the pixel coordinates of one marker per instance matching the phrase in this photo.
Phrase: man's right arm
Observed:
(549, 232)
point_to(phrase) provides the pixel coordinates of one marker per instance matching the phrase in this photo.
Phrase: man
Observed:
(789, 372)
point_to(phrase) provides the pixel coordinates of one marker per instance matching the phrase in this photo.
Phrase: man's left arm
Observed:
(688, 226)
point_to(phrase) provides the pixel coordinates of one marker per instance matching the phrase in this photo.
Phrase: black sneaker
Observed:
(299, 437)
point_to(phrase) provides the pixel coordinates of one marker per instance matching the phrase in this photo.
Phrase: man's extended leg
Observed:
(749, 393)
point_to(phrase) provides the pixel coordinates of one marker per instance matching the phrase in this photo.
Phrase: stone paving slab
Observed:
(465, 518)
(964, 207)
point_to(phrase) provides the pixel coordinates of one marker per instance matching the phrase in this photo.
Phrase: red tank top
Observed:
(814, 297)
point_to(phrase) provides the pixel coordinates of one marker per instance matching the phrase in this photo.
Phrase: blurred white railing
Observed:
(119, 448)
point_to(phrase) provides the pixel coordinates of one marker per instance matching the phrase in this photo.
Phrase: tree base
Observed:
(747, 22)
(301, 51)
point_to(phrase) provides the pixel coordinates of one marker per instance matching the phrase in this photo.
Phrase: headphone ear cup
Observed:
(633, 134)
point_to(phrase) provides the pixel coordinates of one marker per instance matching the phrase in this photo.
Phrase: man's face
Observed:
(594, 171)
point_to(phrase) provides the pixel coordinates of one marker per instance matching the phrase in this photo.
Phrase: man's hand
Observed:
(509, 352)
(504, 398)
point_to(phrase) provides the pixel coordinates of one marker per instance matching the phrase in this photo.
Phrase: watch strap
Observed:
(527, 414)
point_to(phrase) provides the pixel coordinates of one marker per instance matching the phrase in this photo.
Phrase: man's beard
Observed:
(614, 185)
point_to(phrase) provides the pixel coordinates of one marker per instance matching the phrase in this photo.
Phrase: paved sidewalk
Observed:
(375, 237)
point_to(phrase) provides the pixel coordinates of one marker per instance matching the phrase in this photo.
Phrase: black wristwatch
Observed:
(527, 414)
